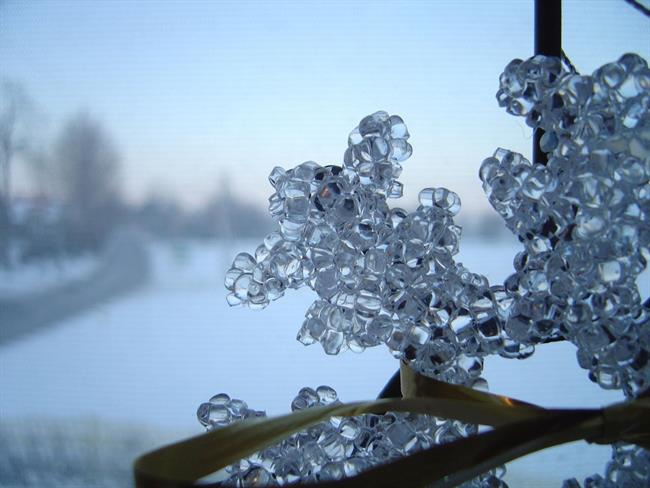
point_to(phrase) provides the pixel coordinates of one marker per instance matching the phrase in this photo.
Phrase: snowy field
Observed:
(41, 276)
(151, 358)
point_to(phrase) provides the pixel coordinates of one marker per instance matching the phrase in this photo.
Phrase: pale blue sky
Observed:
(192, 90)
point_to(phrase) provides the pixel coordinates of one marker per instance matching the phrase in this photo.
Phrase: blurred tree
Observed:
(220, 206)
(226, 217)
(38, 162)
(88, 166)
(160, 215)
(15, 107)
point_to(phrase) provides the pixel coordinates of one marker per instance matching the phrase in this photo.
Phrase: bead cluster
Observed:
(387, 276)
(338, 448)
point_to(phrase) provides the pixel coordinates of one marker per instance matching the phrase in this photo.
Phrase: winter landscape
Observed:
(128, 375)
(136, 140)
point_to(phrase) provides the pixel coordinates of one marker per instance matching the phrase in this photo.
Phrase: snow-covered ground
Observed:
(151, 358)
(40, 276)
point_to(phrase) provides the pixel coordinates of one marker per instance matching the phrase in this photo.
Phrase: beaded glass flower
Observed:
(387, 276)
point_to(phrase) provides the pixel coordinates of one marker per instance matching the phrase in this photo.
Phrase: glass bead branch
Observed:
(387, 276)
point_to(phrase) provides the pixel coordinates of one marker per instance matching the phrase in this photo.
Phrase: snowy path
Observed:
(122, 267)
(151, 358)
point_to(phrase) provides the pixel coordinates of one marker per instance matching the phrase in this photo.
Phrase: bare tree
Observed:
(38, 162)
(15, 107)
(88, 165)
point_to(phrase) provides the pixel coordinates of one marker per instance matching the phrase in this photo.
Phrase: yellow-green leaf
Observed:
(520, 428)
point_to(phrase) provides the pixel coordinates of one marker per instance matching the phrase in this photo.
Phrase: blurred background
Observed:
(135, 143)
